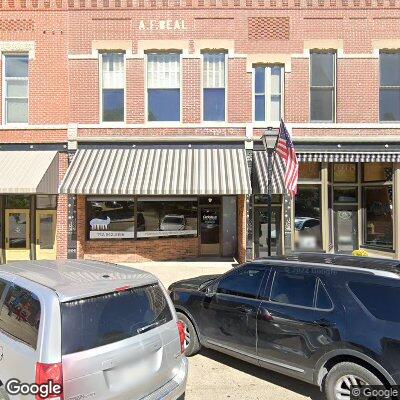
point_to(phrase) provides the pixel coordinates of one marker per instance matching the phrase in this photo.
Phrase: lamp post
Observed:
(269, 140)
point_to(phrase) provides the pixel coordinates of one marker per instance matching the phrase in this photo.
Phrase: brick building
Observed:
(152, 111)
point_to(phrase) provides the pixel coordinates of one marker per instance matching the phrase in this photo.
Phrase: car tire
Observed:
(342, 375)
(193, 345)
(182, 397)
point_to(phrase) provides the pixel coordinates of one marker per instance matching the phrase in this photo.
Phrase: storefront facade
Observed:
(154, 114)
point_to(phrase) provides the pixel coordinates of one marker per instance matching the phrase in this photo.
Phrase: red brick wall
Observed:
(131, 250)
(191, 96)
(135, 96)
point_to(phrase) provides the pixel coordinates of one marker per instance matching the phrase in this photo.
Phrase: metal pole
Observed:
(269, 199)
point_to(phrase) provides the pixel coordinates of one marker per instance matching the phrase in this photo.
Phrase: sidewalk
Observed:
(172, 271)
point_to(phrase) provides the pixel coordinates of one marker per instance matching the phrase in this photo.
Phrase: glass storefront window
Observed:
(308, 235)
(169, 217)
(309, 171)
(345, 195)
(375, 172)
(17, 201)
(110, 218)
(378, 207)
(262, 199)
(344, 173)
(46, 202)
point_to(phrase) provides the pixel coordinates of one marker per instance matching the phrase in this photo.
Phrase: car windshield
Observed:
(96, 321)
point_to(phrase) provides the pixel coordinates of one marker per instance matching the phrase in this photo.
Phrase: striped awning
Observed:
(349, 157)
(165, 171)
(29, 172)
(260, 162)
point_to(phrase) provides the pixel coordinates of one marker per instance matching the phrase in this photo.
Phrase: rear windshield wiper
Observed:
(151, 326)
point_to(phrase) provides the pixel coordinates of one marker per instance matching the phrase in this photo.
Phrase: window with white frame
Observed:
(113, 87)
(163, 87)
(389, 92)
(16, 88)
(323, 83)
(214, 86)
(268, 83)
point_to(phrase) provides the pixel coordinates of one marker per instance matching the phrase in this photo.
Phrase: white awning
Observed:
(261, 173)
(165, 171)
(29, 172)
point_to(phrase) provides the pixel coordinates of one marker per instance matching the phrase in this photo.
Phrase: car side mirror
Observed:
(211, 290)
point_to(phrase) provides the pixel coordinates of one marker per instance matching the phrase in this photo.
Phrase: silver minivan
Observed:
(100, 331)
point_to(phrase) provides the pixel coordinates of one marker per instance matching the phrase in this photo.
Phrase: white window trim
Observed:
(100, 62)
(334, 110)
(202, 120)
(146, 97)
(268, 94)
(3, 94)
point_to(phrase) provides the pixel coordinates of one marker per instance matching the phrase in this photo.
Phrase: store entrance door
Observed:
(261, 231)
(46, 234)
(346, 228)
(17, 235)
(210, 231)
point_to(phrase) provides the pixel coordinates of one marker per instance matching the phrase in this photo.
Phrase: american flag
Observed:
(286, 151)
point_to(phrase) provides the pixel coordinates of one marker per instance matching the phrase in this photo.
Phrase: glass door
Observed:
(346, 232)
(17, 235)
(46, 234)
(261, 231)
(210, 231)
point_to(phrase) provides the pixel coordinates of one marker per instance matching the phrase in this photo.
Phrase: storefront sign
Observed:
(162, 25)
(190, 232)
(111, 235)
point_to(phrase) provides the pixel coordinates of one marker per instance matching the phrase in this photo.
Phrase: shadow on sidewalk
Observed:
(286, 382)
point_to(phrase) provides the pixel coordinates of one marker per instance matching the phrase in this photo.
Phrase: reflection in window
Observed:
(111, 219)
(113, 81)
(389, 93)
(163, 86)
(293, 289)
(161, 218)
(345, 194)
(20, 315)
(308, 235)
(323, 86)
(214, 86)
(378, 216)
(16, 88)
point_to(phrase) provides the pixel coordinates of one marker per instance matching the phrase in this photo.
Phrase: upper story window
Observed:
(268, 89)
(163, 87)
(214, 86)
(389, 93)
(16, 89)
(323, 83)
(113, 87)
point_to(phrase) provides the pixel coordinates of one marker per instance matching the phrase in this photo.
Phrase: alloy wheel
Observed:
(345, 384)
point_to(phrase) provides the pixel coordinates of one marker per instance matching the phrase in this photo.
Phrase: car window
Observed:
(245, 281)
(294, 289)
(3, 285)
(382, 301)
(20, 315)
(112, 317)
(323, 301)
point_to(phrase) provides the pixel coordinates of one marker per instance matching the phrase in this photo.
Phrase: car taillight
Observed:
(182, 335)
(46, 373)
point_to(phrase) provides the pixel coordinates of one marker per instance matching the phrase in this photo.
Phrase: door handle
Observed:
(264, 314)
(324, 323)
(244, 309)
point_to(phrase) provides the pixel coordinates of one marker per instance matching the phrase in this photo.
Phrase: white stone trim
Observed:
(18, 47)
(82, 57)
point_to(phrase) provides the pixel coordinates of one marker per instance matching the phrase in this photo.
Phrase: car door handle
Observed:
(244, 309)
(324, 323)
(264, 314)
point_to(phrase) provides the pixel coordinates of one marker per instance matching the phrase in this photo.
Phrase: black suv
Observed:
(330, 320)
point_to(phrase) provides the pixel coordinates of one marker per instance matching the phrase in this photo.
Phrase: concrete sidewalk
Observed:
(172, 271)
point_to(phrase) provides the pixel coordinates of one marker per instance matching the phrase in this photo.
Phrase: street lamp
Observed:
(269, 140)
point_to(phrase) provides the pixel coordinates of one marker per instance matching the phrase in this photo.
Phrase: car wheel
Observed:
(345, 376)
(192, 343)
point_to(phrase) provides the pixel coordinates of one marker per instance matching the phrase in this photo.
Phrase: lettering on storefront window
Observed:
(162, 25)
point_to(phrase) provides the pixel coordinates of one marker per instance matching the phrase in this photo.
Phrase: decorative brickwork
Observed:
(269, 28)
(17, 25)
